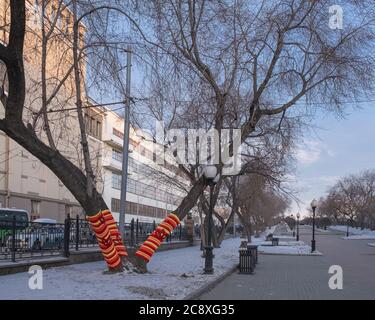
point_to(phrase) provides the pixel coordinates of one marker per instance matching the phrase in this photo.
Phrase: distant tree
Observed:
(353, 198)
(291, 221)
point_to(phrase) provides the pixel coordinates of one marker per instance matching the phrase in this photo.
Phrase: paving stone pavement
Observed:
(306, 277)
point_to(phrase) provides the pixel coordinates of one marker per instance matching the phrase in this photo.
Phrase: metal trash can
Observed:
(247, 261)
(254, 252)
(275, 242)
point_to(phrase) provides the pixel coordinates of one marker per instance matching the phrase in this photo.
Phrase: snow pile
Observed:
(172, 275)
(284, 243)
(282, 229)
(355, 233)
(298, 250)
(287, 244)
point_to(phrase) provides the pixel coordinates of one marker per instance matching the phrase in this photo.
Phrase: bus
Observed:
(7, 216)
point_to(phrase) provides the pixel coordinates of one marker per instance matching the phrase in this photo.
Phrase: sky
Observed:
(336, 148)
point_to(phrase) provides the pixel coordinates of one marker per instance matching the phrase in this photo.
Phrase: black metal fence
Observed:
(26, 240)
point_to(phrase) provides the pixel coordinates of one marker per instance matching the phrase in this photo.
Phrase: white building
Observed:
(149, 195)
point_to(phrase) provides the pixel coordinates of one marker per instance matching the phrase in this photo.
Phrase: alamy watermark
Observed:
(336, 281)
(200, 147)
(336, 20)
(36, 279)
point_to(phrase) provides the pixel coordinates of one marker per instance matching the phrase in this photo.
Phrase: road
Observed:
(306, 277)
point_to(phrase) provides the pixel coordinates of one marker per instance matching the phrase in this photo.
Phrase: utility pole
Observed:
(125, 151)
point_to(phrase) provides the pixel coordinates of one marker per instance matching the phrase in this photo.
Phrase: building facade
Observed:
(149, 195)
(26, 183)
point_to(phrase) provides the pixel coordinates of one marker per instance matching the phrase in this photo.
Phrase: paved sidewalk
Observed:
(304, 278)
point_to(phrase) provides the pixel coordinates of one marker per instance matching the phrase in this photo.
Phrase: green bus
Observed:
(7, 217)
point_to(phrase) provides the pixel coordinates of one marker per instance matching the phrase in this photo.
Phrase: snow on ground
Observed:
(172, 275)
(355, 233)
(262, 242)
(298, 250)
(287, 246)
(371, 244)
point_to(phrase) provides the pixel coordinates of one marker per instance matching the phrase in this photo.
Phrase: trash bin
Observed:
(275, 242)
(254, 252)
(247, 261)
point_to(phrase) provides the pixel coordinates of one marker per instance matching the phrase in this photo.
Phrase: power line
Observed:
(139, 99)
(86, 107)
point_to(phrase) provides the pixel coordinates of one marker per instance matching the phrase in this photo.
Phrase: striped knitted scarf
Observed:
(154, 241)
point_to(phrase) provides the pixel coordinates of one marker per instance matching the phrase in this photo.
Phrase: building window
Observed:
(116, 181)
(115, 205)
(132, 186)
(133, 167)
(93, 126)
(67, 23)
(117, 155)
(35, 210)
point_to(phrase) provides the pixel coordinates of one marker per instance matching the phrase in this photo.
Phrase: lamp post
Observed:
(125, 150)
(212, 177)
(298, 217)
(314, 205)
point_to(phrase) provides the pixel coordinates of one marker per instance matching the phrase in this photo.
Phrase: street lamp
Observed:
(298, 217)
(211, 175)
(314, 205)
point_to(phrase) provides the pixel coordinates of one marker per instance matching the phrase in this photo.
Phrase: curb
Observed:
(208, 286)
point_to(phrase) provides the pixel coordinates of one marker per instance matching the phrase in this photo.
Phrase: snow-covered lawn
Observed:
(355, 233)
(298, 250)
(172, 275)
(287, 246)
(262, 242)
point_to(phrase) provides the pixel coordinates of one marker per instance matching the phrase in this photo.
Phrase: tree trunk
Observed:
(70, 175)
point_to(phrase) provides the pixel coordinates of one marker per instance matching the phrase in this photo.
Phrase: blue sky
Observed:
(336, 148)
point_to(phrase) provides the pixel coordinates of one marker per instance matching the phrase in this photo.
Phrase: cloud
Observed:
(311, 151)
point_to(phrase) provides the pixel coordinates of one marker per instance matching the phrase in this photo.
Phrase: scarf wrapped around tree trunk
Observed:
(154, 241)
(109, 238)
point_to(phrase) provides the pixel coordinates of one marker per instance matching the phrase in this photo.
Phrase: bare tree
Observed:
(240, 65)
(353, 198)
